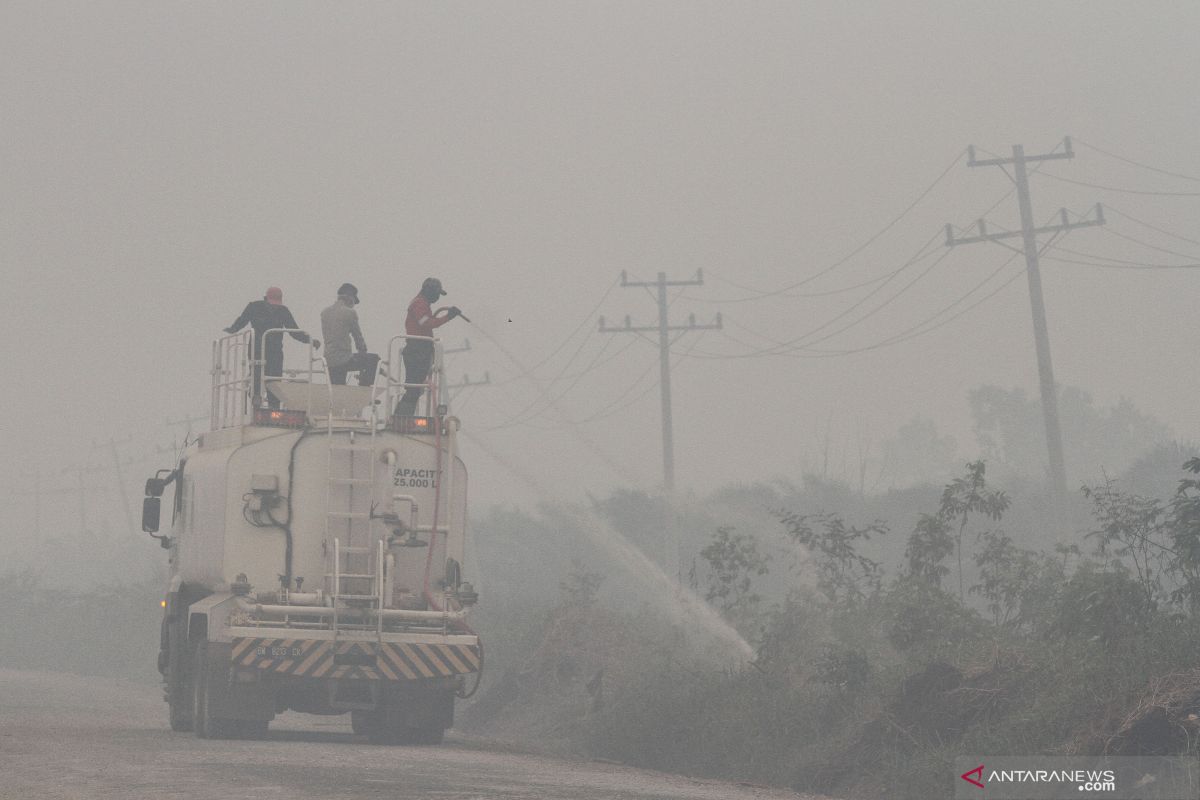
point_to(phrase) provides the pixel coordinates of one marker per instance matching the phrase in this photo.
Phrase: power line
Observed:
(1133, 266)
(871, 240)
(790, 295)
(1113, 263)
(586, 319)
(551, 401)
(1166, 250)
(1119, 188)
(924, 252)
(617, 470)
(1138, 163)
(1121, 213)
(913, 331)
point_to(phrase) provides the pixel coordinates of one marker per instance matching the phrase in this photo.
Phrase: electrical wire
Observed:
(1135, 240)
(807, 351)
(1119, 188)
(587, 318)
(912, 332)
(1098, 265)
(1137, 163)
(870, 240)
(617, 405)
(551, 401)
(1164, 231)
(883, 277)
(794, 344)
(616, 469)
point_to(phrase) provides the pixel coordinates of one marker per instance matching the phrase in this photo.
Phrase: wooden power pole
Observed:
(1041, 336)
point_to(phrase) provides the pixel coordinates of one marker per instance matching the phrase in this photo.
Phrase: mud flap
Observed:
(230, 699)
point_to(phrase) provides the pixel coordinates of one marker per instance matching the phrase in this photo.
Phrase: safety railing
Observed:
(240, 379)
(232, 380)
(316, 366)
(397, 377)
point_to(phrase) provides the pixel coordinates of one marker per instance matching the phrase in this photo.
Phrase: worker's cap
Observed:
(274, 296)
(433, 284)
(348, 290)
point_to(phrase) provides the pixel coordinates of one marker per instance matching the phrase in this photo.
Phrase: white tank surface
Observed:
(235, 488)
(317, 549)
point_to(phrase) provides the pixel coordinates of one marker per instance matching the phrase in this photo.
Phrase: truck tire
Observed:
(179, 690)
(179, 713)
(204, 724)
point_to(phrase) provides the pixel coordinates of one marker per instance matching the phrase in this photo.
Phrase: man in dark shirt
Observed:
(418, 353)
(264, 315)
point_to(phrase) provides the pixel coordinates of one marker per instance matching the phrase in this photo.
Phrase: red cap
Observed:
(275, 296)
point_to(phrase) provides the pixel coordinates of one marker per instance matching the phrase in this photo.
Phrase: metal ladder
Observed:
(355, 580)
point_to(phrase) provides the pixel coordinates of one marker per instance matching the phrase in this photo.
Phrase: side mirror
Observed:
(151, 511)
(155, 487)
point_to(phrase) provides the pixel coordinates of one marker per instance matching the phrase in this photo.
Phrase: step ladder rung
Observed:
(353, 448)
(352, 575)
(357, 596)
(345, 548)
(349, 514)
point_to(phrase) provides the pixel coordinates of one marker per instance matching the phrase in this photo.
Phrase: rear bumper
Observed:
(355, 660)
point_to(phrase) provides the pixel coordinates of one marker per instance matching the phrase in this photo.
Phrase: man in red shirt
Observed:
(418, 353)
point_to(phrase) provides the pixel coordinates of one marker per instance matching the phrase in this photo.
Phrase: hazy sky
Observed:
(163, 163)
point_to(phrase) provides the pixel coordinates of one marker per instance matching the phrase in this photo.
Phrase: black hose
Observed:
(286, 527)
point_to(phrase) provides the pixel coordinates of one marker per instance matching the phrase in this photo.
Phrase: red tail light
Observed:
(414, 424)
(280, 419)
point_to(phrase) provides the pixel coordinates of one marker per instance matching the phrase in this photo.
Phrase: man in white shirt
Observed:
(339, 324)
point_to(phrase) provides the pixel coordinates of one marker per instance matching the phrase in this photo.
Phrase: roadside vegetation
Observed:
(892, 631)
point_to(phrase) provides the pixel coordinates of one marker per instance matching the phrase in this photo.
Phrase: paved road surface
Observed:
(64, 736)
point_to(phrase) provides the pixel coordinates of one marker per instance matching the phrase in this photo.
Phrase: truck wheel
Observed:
(204, 723)
(179, 712)
(179, 691)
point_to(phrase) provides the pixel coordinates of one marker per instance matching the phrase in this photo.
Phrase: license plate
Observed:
(277, 652)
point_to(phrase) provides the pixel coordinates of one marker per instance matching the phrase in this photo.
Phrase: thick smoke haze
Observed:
(163, 163)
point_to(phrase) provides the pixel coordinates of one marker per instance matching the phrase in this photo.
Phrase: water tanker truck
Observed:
(317, 550)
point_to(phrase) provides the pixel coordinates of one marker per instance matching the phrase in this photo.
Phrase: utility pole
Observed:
(1028, 235)
(453, 388)
(80, 470)
(119, 465)
(664, 329)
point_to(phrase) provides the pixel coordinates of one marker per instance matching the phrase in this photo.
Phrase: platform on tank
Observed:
(321, 399)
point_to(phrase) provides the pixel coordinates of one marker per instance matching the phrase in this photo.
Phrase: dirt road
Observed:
(64, 736)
